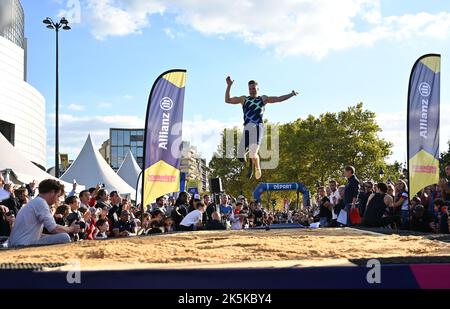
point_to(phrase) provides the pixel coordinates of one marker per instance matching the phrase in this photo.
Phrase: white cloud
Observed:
(75, 129)
(205, 133)
(286, 27)
(394, 130)
(75, 107)
(169, 33)
(104, 105)
(128, 97)
(119, 18)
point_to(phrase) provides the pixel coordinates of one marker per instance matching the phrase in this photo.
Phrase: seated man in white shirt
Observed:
(193, 220)
(35, 215)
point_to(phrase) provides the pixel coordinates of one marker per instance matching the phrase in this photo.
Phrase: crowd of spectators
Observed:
(28, 218)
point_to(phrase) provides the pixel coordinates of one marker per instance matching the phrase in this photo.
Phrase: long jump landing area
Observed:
(277, 258)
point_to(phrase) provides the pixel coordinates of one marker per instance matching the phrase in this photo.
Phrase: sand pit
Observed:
(274, 248)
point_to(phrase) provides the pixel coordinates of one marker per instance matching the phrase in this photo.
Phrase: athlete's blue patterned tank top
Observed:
(253, 109)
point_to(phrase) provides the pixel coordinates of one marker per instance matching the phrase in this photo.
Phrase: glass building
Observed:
(121, 141)
(12, 22)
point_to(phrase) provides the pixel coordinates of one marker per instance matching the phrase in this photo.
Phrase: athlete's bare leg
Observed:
(254, 149)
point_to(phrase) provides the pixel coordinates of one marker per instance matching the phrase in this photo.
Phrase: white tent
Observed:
(129, 170)
(91, 169)
(21, 169)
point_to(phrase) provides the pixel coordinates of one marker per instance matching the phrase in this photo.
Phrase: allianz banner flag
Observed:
(163, 136)
(423, 123)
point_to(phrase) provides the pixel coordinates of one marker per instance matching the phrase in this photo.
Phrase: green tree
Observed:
(445, 159)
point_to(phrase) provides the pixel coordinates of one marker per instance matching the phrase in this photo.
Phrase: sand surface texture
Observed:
(274, 248)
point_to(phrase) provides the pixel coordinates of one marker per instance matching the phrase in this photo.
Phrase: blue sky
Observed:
(334, 54)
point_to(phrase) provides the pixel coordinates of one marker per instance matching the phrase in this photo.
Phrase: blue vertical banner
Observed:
(163, 136)
(423, 123)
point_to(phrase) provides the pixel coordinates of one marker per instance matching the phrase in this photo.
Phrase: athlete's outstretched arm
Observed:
(228, 98)
(280, 99)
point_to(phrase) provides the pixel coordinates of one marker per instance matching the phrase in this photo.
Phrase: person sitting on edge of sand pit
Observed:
(216, 223)
(31, 219)
(193, 220)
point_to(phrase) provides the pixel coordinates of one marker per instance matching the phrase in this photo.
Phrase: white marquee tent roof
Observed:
(91, 169)
(21, 168)
(129, 170)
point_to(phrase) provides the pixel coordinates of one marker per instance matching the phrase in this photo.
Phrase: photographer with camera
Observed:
(31, 219)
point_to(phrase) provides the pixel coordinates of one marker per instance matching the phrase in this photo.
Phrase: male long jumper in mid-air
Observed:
(253, 107)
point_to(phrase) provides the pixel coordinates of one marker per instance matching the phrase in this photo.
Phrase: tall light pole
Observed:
(64, 24)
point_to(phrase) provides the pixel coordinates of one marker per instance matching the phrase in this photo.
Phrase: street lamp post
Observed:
(64, 24)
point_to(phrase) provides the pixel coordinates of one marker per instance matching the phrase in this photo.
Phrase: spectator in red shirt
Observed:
(89, 225)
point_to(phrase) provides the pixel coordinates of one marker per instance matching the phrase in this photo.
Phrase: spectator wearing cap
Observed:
(193, 220)
(124, 227)
(193, 202)
(215, 224)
